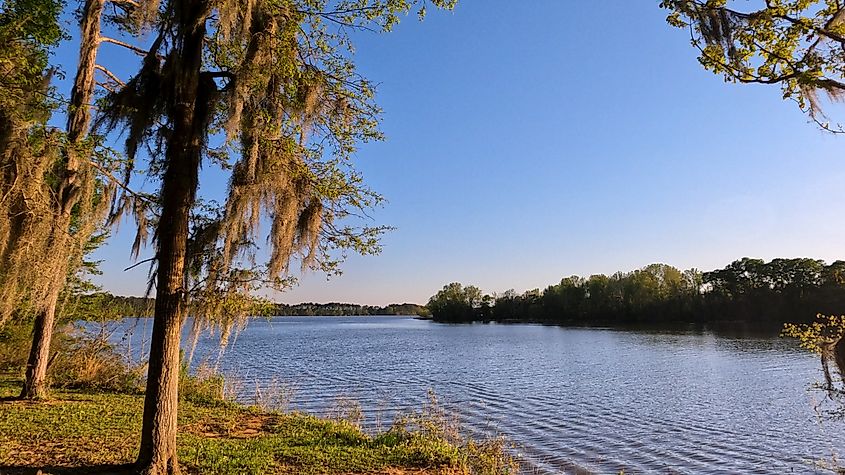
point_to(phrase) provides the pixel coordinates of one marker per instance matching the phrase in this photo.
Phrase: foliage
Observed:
(455, 302)
(345, 309)
(282, 88)
(748, 290)
(818, 335)
(797, 44)
(81, 360)
(54, 195)
(28, 28)
(214, 439)
(28, 149)
(826, 338)
(102, 306)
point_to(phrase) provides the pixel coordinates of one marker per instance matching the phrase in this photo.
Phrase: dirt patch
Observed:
(246, 427)
(420, 471)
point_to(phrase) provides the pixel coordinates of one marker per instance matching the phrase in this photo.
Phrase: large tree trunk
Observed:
(35, 385)
(179, 184)
(79, 118)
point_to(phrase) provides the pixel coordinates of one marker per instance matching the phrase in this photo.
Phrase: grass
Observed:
(81, 428)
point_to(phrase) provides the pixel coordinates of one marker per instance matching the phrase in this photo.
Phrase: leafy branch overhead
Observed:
(797, 44)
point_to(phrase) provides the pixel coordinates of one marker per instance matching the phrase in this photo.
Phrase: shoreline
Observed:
(85, 431)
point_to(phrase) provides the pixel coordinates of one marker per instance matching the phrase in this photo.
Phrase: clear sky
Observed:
(528, 141)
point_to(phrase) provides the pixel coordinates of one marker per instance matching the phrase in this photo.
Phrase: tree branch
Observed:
(110, 75)
(151, 259)
(118, 182)
(137, 50)
(122, 3)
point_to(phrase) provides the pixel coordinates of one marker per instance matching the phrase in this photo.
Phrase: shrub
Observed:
(80, 359)
(15, 340)
(434, 423)
(84, 360)
(205, 386)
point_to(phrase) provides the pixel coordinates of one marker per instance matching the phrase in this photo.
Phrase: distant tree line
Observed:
(345, 309)
(105, 306)
(747, 290)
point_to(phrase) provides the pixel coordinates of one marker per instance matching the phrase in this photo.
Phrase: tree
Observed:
(456, 303)
(28, 149)
(826, 338)
(274, 78)
(796, 44)
(565, 300)
(54, 198)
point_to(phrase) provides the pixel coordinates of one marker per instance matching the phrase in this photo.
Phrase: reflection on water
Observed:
(681, 401)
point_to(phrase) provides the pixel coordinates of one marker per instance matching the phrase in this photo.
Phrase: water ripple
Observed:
(573, 401)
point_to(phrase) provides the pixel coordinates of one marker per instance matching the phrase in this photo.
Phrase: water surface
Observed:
(573, 400)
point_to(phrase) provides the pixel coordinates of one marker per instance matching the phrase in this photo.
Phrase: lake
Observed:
(573, 400)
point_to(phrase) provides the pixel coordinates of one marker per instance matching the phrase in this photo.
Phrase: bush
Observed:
(15, 340)
(88, 361)
(79, 360)
(204, 387)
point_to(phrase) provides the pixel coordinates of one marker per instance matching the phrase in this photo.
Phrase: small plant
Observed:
(490, 456)
(826, 338)
(275, 396)
(346, 409)
(204, 386)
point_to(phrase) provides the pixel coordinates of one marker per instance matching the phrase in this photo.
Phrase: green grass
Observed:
(84, 429)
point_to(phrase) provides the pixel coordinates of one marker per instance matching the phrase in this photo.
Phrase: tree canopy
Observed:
(796, 44)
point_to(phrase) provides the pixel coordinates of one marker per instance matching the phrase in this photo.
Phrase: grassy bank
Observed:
(92, 423)
(81, 431)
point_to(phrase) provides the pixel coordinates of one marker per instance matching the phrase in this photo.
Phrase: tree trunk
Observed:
(158, 434)
(35, 385)
(839, 357)
(179, 184)
(84, 82)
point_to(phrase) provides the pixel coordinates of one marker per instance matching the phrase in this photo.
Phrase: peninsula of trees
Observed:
(748, 291)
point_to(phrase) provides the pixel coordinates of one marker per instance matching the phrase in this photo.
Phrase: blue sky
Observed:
(527, 144)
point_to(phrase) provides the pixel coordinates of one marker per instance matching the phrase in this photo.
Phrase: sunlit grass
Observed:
(84, 429)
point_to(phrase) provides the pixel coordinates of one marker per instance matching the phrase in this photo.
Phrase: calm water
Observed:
(573, 400)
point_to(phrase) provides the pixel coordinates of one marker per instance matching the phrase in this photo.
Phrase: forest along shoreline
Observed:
(750, 293)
